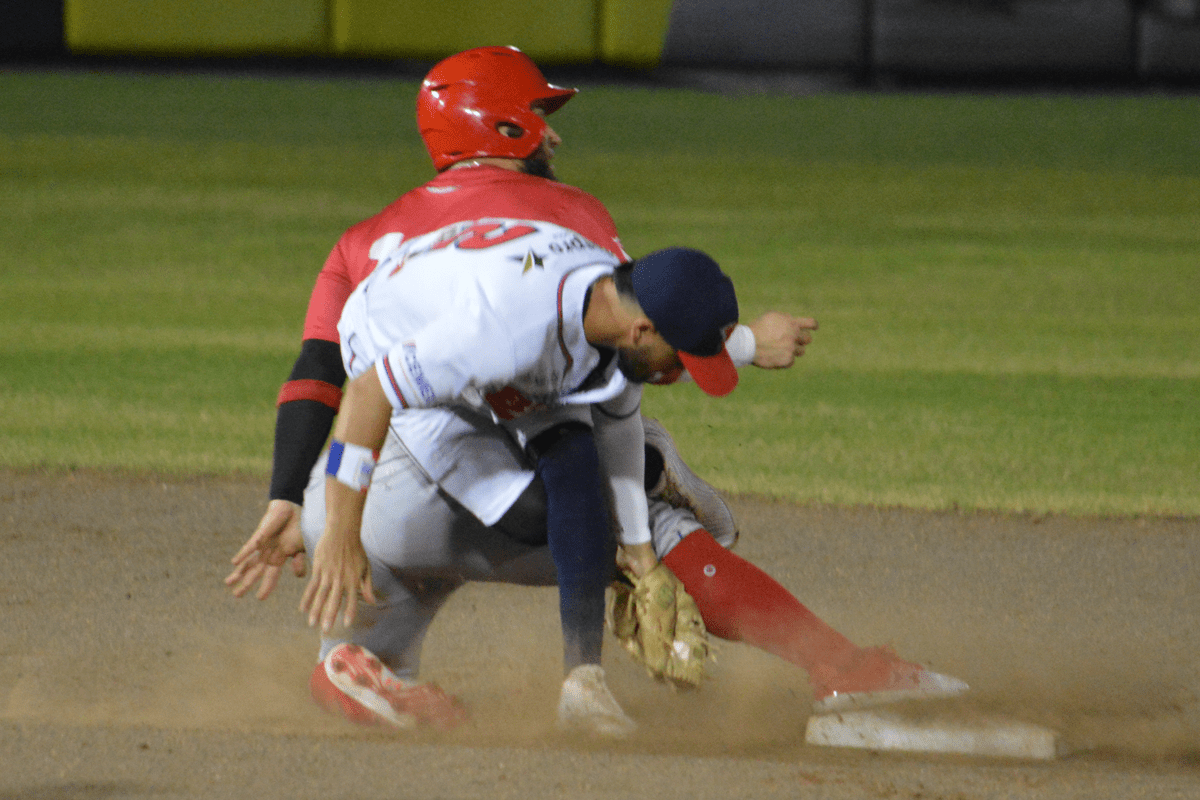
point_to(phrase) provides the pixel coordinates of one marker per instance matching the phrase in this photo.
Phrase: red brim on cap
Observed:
(716, 375)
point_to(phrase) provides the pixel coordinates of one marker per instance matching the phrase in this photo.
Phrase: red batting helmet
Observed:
(465, 97)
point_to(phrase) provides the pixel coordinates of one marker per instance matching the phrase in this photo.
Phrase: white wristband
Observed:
(741, 346)
(351, 464)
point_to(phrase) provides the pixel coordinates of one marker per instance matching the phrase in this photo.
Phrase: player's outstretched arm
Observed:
(340, 570)
(780, 339)
(276, 541)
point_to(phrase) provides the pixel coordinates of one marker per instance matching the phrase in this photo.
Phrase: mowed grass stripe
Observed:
(1007, 285)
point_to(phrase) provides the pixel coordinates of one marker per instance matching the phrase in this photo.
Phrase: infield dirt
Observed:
(129, 671)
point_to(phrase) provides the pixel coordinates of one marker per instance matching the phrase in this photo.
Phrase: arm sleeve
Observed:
(308, 403)
(621, 441)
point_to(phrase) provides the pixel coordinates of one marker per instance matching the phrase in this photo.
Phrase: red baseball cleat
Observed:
(352, 682)
(877, 676)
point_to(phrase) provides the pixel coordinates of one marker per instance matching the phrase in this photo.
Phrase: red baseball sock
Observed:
(740, 602)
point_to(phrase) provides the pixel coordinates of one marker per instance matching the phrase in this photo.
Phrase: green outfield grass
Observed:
(1008, 286)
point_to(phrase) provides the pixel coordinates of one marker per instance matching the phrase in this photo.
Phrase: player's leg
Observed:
(581, 544)
(368, 672)
(557, 532)
(578, 534)
(737, 600)
(740, 602)
(421, 545)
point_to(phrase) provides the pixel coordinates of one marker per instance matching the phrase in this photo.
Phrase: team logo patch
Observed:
(417, 375)
(532, 260)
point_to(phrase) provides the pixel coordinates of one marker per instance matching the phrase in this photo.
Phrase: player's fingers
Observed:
(243, 577)
(235, 575)
(329, 593)
(806, 323)
(299, 565)
(249, 549)
(308, 601)
(333, 602)
(351, 607)
(270, 579)
(316, 605)
(244, 586)
(240, 589)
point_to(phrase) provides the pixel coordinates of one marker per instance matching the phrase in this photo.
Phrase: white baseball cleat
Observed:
(352, 681)
(878, 676)
(587, 706)
(679, 486)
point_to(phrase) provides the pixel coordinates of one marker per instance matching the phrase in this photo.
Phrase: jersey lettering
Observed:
(572, 244)
(413, 366)
(481, 235)
(384, 245)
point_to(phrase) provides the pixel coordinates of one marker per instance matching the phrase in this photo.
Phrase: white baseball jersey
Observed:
(485, 319)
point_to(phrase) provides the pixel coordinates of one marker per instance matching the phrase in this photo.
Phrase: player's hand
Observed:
(779, 339)
(340, 573)
(637, 558)
(275, 541)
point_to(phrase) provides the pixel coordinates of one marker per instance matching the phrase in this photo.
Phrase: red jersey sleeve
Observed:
(347, 265)
(329, 294)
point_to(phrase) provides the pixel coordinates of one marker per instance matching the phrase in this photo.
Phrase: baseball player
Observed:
(477, 171)
(561, 329)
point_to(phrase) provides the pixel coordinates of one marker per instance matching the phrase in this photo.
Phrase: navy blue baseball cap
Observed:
(693, 306)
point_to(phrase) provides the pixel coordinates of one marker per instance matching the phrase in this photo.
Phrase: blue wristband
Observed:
(351, 464)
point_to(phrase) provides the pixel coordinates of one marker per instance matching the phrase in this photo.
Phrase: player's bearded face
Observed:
(539, 163)
(633, 366)
(642, 365)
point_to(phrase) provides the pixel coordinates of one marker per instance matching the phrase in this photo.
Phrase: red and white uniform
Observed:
(453, 196)
(444, 438)
(486, 316)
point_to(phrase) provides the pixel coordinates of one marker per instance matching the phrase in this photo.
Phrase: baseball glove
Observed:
(657, 621)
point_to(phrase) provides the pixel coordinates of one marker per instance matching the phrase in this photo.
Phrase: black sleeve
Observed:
(302, 426)
(319, 360)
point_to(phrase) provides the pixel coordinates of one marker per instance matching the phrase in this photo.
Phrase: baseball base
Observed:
(885, 730)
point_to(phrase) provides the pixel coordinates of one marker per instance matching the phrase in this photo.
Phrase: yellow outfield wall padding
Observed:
(197, 27)
(549, 31)
(632, 32)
